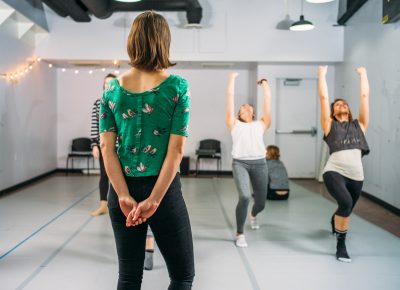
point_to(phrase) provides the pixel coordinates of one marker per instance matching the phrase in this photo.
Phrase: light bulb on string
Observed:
(63, 69)
(76, 71)
(30, 67)
(38, 59)
(116, 72)
(103, 69)
(90, 72)
(50, 65)
(26, 70)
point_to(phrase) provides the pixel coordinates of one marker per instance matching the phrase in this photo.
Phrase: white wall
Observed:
(375, 46)
(27, 121)
(275, 72)
(76, 94)
(234, 30)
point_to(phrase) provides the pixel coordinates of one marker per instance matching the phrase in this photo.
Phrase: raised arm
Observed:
(363, 117)
(326, 120)
(230, 103)
(266, 117)
(114, 171)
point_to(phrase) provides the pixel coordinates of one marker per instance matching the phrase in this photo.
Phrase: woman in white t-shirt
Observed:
(249, 165)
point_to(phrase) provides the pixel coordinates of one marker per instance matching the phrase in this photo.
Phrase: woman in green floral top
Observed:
(147, 111)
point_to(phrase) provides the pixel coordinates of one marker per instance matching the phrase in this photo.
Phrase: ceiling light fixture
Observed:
(286, 22)
(302, 24)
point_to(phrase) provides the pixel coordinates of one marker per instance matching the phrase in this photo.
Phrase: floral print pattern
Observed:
(133, 117)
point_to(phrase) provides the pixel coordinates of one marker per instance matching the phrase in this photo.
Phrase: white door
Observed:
(296, 128)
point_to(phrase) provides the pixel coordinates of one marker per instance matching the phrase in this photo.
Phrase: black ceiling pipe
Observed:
(104, 8)
(160, 5)
(194, 11)
(99, 8)
(73, 9)
(55, 7)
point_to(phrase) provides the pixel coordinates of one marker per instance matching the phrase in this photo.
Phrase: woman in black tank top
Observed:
(342, 134)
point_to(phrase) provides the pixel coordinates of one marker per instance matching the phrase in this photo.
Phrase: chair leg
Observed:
(88, 170)
(66, 173)
(197, 166)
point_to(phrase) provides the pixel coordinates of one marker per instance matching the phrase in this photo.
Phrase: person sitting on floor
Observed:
(278, 183)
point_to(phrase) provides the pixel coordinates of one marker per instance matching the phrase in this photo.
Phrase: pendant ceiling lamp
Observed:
(286, 22)
(302, 24)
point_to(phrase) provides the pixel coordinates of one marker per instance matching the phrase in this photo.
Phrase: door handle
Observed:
(311, 132)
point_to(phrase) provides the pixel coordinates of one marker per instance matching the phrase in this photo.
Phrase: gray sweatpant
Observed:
(244, 172)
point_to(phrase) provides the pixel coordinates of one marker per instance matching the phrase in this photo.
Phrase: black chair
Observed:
(80, 148)
(209, 149)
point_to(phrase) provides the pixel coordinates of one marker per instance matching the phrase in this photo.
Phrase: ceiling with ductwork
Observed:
(85, 10)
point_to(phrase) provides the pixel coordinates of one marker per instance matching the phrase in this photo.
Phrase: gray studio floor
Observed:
(49, 241)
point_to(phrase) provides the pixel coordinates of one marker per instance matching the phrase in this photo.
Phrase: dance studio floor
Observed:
(48, 241)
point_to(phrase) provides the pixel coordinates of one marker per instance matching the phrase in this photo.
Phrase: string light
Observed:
(14, 76)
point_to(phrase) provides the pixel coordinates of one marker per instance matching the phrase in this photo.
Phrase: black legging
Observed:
(346, 191)
(171, 229)
(103, 184)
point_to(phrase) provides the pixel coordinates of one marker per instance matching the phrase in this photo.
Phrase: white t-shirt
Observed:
(347, 163)
(248, 141)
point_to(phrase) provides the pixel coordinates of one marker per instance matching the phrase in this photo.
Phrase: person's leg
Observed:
(148, 261)
(130, 243)
(171, 228)
(103, 187)
(242, 181)
(336, 185)
(354, 187)
(274, 194)
(259, 181)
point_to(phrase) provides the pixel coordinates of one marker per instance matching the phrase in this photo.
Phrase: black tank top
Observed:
(346, 135)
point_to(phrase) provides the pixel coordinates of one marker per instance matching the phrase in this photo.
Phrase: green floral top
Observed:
(144, 121)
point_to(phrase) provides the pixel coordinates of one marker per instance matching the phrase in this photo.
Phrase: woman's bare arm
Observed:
(326, 120)
(230, 103)
(363, 116)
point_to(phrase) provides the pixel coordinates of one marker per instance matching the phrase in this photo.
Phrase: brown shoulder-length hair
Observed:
(273, 152)
(333, 110)
(149, 41)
